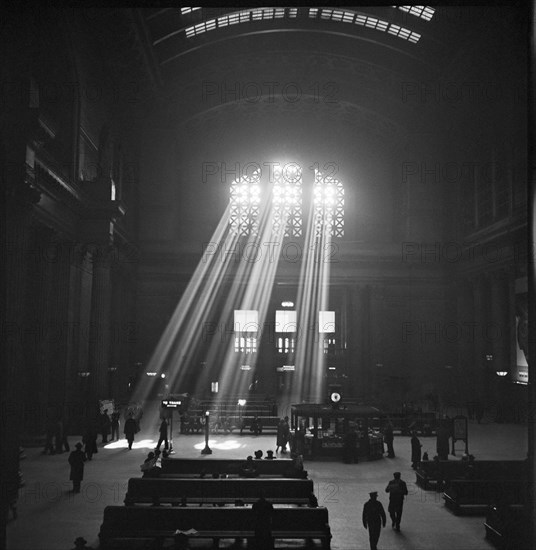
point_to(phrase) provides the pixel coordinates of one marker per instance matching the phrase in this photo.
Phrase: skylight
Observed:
(424, 12)
(347, 16)
(257, 14)
(185, 11)
(339, 15)
(406, 34)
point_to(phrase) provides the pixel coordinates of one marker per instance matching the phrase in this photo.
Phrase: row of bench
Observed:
(172, 498)
(123, 526)
(184, 491)
(497, 489)
(234, 422)
(438, 473)
(507, 527)
(278, 467)
(474, 496)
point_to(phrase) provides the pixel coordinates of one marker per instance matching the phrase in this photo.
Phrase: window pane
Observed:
(285, 321)
(326, 321)
(246, 320)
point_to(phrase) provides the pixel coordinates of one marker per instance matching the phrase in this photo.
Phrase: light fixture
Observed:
(84, 374)
(242, 402)
(335, 397)
(287, 304)
(501, 373)
(163, 375)
(489, 357)
(207, 450)
(150, 373)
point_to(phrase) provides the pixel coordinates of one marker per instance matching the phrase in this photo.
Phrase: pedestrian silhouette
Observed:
(389, 438)
(263, 512)
(397, 490)
(415, 449)
(76, 461)
(373, 519)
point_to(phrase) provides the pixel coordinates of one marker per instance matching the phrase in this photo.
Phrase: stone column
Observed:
(497, 335)
(356, 331)
(465, 344)
(497, 330)
(74, 335)
(480, 321)
(100, 324)
(376, 343)
(19, 196)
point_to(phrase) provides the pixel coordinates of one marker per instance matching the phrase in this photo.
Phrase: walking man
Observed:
(389, 438)
(105, 426)
(374, 518)
(76, 461)
(163, 435)
(130, 430)
(115, 425)
(415, 449)
(397, 490)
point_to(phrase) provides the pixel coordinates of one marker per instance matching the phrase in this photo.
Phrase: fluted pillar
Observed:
(100, 324)
(480, 322)
(497, 330)
(465, 343)
(357, 319)
(18, 199)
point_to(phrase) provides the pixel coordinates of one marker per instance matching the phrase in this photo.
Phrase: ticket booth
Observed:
(325, 428)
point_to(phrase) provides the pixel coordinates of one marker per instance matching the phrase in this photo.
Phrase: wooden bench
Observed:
(436, 474)
(424, 423)
(123, 526)
(474, 496)
(507, 527)
(217, 491)
(268, 423)
(190, 467)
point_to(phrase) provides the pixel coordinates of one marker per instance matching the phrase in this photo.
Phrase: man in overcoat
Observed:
(374, 518)
(76, 460)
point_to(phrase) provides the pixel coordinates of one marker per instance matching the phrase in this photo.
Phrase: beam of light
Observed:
(313, 294)
(177, 344)
(123, 444)
(250, 289)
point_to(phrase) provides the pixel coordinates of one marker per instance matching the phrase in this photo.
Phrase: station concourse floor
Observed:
(50, 516)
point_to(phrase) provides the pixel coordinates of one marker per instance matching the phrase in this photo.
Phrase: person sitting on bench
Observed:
(256, 426)
(248, 468)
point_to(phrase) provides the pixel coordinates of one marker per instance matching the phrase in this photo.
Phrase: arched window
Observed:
(246, 195)
(328, 206)
(287, 201)
(245, 201)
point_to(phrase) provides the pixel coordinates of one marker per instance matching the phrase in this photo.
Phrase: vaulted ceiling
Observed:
(354, 65)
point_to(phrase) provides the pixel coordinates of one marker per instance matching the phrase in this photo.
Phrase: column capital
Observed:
(102, 255)
(22, 194)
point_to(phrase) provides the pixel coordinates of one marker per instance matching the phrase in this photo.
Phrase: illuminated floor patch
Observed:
(222, 445)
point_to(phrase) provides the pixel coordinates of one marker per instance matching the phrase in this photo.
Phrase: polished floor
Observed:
(50, 516)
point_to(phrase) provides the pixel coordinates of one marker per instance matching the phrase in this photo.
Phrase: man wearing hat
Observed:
(76, 460)
(80, 544)
(397, 490)
(373, 518)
